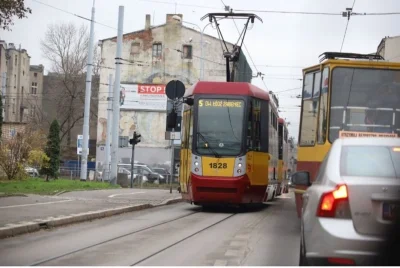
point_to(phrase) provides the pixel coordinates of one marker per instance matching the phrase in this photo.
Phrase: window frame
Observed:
(189, 56)
(313, 72)
(157, 50)
(321, 131)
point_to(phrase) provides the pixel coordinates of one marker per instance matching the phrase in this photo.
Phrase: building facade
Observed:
(17, 87)
(151, 58)
(389, 48)
(3, 72)
(64, 99)
(35, 98)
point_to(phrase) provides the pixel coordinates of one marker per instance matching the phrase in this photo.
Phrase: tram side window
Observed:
(310, 107)
(323, 108)
(280, 135)
(184, 129)
(257, 124)
(264, 121)
(250, 130)
(190, 130)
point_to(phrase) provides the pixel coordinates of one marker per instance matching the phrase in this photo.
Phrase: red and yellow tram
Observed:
(229, 151)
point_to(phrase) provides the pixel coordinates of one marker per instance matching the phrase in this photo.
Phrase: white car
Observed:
(350, 207)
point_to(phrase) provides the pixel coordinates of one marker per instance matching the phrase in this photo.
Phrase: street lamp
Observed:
(178, 18)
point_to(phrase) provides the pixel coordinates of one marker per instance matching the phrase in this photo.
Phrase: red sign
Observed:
(152, 89)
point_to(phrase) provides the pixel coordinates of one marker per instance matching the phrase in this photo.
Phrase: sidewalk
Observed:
(27, 213)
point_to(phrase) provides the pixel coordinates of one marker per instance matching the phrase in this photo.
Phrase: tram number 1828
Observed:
(218, 165)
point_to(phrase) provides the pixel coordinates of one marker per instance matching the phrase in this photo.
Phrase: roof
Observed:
(160, 26)
(227, 88)
(356, 63)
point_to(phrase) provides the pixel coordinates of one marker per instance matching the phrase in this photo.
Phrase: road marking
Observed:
(114, 195)
(45, 203)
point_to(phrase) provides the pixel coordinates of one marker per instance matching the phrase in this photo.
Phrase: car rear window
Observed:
(370, 161)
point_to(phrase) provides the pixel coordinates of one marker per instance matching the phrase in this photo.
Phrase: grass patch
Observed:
(40, 186)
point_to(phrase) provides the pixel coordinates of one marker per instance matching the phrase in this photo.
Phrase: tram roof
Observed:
(355, 63)
(227, 88)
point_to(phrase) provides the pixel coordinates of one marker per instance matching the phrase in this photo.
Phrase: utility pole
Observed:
(85, 146)
(117, 84)
(135, 140)
(172, 163)
(109, 116)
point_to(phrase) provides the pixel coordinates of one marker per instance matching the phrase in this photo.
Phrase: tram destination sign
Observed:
(221, 103)
(356, 134)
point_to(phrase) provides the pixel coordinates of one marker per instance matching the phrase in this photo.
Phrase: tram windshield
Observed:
(365, 100)
(220, 127)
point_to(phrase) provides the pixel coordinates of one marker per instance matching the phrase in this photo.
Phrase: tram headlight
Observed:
(239, 165)
(239, 171)
(196, 163)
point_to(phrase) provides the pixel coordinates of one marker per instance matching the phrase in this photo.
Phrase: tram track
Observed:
(147, 256)
(181, 240)
(111, 239)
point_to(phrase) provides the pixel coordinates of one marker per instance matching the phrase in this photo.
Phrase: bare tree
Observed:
(66, 46)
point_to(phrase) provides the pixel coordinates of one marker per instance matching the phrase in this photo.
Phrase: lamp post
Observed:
(177, 18)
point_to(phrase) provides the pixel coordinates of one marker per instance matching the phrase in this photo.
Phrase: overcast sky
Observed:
(290, 40)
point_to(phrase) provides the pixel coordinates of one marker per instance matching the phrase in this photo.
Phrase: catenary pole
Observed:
(85, 145)
(117, 84)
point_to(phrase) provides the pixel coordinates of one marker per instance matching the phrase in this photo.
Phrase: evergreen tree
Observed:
(53, 151)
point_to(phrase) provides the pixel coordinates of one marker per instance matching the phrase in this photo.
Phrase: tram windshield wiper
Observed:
(208, 145)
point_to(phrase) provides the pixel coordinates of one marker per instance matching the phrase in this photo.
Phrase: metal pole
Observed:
(201, 58)
(172, 163)
(117, 83)
(108, 137)
(85, 149)
(132, 163)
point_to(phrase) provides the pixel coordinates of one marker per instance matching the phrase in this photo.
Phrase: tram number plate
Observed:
(218, 165)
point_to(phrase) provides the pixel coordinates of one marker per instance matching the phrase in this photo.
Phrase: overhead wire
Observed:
(347, 24)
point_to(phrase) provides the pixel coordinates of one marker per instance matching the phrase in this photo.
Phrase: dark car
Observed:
(163, 172)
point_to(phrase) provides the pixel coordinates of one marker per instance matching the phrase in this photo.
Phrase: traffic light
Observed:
(136, 138)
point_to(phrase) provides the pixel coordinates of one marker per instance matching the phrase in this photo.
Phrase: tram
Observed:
(283, 157)
(229, 143)
(345, 94)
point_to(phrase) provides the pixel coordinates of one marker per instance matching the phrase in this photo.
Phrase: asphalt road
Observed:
(179, 234)
(16, 209)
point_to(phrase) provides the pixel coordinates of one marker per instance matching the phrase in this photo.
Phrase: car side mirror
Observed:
(301, 178)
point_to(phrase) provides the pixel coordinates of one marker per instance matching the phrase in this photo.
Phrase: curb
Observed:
(51, 222)
(10, 195)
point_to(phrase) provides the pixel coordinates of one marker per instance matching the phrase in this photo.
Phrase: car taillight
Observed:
(335, 204)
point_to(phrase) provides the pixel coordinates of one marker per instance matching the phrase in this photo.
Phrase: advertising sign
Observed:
(143, 97)
(79, 145)
(355, 134)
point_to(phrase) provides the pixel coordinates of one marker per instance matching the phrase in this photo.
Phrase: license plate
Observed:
(390, 211)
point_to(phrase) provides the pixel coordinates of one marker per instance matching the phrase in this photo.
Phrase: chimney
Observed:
(174, 18)
(147, 24)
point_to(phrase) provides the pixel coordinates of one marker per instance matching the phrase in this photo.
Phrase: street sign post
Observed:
(175, 90)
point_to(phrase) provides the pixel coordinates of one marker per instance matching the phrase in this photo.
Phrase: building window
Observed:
(23, 73)
(16, 60)
(135, 48)
(15, 80)
(157, 50)
(33, 110)
(187, 51)
(34, 88)
(35, 74)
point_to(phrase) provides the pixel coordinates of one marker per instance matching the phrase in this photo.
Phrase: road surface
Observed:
(179, 234)
(17, 209)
